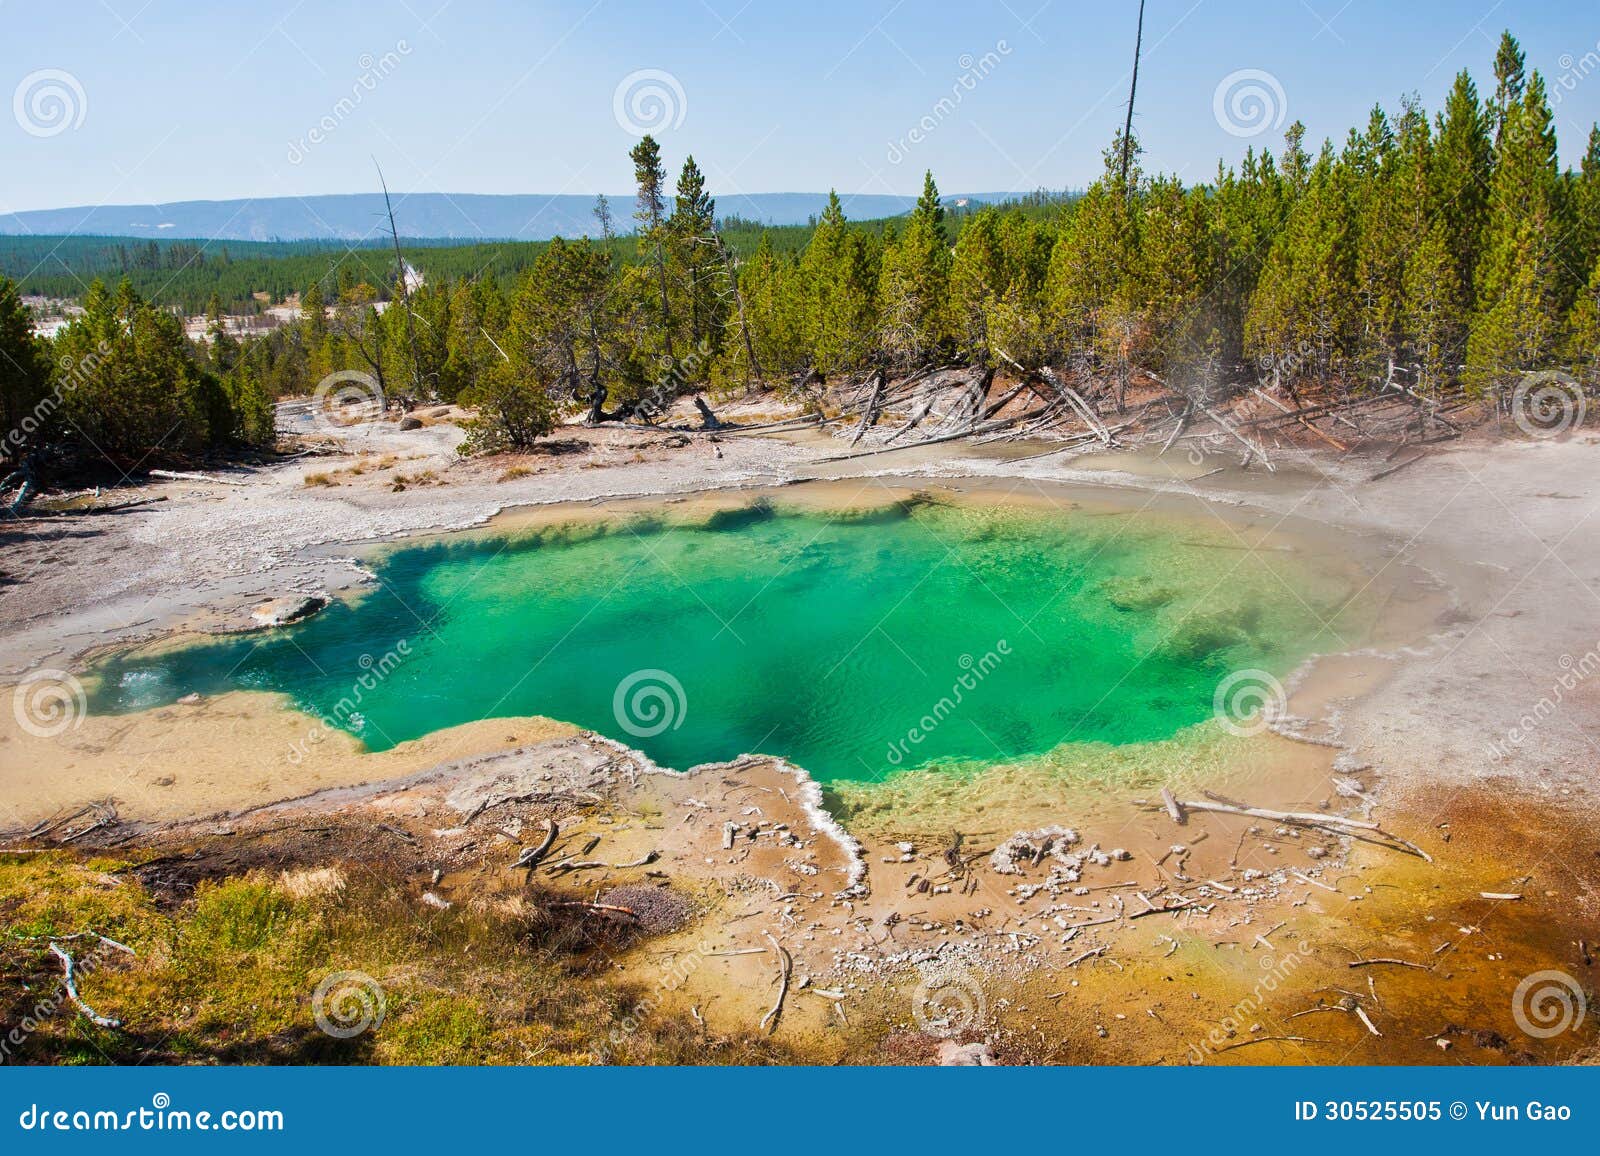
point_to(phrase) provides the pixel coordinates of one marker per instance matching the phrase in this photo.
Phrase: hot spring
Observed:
(854, 642)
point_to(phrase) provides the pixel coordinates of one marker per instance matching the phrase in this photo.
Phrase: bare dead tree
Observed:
(1127, 126)
(405, 289)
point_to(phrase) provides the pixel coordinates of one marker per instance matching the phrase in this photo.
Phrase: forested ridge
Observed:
(1448, 250)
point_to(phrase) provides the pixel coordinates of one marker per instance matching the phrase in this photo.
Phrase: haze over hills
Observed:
(469, 216)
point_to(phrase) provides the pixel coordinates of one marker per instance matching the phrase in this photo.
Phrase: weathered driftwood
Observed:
(1183, 420)
(531, 855)
(601, 908)
(1270, 1039)
(769, 1022)
(869, 416)
(190, 476)
(1338, 823)
(1267, 397)
(70, 982)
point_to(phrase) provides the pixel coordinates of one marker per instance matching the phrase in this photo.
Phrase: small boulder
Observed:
(410, 421)
(292, 608)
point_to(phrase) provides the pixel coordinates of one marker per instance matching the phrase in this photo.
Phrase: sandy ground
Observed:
(1466, 726)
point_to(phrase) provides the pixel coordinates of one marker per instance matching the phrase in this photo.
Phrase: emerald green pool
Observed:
(855, 644)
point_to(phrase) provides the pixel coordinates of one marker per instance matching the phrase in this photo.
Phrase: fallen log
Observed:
(869, 416)
(1332, 441)
(603, 908)
(769, 1022)
(70, 982)
(530, 856)
(1338, 823)
(191, 476)
(1395, 962)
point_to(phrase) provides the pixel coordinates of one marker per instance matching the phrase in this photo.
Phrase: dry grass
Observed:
(227, 976)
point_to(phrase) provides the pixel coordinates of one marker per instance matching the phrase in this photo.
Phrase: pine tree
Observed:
(25, 373)
(1584, 208)
(1093, 260)
(1510, 81)
(914, 283)
(836, 283)
(649, 211)
(697, 256)
(1458, 177)
(1583, 330)
(1518, 276)
(1303, 318)
(775, 305)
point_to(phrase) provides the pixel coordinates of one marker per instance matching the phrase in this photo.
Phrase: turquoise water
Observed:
(855, 645)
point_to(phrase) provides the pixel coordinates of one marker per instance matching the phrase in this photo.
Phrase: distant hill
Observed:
(352, 217)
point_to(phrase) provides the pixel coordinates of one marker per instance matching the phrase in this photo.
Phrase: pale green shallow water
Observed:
(831, 640)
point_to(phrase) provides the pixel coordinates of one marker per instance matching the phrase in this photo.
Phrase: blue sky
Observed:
(171, 101)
